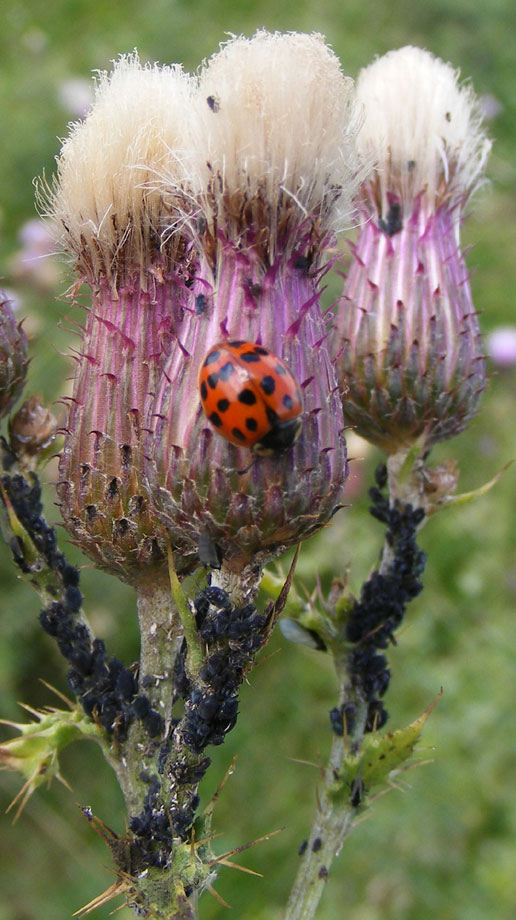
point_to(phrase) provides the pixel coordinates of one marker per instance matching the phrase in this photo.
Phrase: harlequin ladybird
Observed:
(250, 396)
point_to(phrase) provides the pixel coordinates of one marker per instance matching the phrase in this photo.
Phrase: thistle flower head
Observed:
(276, 139)
(104, 199)
(406, 333)
(274, 174)
(422, 128)
(13, 357)
(111, 218)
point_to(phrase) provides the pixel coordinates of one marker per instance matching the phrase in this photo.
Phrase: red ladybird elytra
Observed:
(251, 397)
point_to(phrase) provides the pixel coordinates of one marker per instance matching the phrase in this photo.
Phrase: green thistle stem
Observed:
(194, 655)
(161, 635)
(333, 821)
(335, 815)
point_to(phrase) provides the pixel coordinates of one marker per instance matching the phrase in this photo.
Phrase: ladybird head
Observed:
(280, 438)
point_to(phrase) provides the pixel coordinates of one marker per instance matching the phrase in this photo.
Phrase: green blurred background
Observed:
(445, 845)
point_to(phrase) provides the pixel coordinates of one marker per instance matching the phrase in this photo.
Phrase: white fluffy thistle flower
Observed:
(273, 173)
(104, 199)
(422, 128)
(110, 219)
(278, 132)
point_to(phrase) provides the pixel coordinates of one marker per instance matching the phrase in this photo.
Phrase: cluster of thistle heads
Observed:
(204, 210)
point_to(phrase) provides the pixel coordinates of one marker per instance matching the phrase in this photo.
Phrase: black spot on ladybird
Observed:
(268, 385)
(239, 434)
(204, 390)
(212, 357)
(251, 424)
(250, 357)
(215, 419)
(247, 397)
(288, 402)
(223, 405)
(225, 371)
(280, 369)
(212, 381)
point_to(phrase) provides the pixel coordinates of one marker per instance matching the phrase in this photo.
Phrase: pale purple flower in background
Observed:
(490, 106)
(501, 346)
(75, 96)
(14, 297)
(33, 263)
(34, 40)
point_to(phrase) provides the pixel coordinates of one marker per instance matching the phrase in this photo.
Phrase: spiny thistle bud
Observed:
(406, 333)
(32, 430)
(273, 178)
(110, 220)
(13, 357)
(35, 752)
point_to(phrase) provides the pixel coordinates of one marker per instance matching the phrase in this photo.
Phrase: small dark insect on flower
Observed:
(210, 554)
(336, 721)
(201, 304)
(393, 223)
(357, 790)
(303, 263)
(213, 103)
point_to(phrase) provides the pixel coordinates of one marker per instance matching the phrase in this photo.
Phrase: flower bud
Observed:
(274, 176)
(13, 357)
(32, 429)
(35, 751)
(111, 216)
(406, 333)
